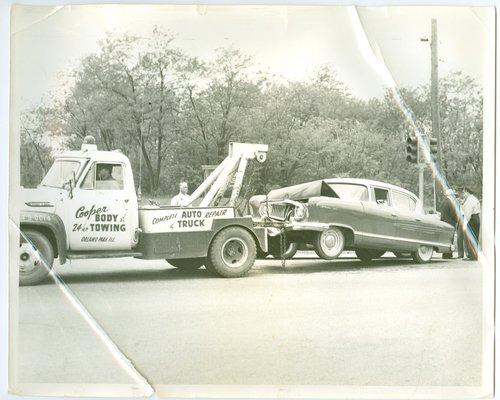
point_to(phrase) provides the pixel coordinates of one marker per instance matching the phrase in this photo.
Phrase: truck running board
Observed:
(79, 255)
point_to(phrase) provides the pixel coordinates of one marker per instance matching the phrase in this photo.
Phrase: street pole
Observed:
(436, 120)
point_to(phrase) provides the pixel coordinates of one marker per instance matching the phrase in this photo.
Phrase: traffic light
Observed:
(433, 144)
(412, 149)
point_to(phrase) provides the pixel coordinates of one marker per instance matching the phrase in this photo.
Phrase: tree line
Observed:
(177, 113)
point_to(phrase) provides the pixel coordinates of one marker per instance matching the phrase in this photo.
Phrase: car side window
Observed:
(401, 201)
(382, 196)
(104, 176)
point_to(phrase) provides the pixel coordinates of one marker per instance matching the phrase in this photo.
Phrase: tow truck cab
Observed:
(93, 194)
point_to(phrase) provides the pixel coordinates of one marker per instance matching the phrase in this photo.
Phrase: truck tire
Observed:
(368, 255)
(36, 257)
(232, 253)
(329, 244)
(423, 254)
(275, 249)
(188, 264)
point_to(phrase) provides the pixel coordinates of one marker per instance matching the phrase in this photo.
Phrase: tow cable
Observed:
(283, 247)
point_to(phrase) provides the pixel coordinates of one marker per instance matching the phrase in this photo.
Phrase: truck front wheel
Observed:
(187, 263)
(232, 253)
(36, 257)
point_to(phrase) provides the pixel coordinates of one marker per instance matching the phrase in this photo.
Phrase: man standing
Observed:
(182, 199)
(472, 211)
(452, 214)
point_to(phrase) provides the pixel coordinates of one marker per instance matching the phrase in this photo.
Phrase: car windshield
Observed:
(60, 172)
(349, 191)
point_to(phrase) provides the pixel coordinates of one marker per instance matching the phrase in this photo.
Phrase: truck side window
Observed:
(104, 176)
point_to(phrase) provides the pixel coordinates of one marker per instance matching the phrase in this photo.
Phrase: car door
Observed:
(378, 229)
(411, 226)
(102, 214)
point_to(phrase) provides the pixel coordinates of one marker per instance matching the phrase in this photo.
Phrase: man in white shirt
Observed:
(182, 199)
(472, 211)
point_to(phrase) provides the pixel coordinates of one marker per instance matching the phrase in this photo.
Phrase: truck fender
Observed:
(51, 226)
(259, 233)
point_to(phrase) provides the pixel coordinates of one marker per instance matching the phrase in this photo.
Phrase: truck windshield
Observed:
(60, 173)
(349, 191)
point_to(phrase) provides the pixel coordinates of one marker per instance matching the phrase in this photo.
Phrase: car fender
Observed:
(49, 224)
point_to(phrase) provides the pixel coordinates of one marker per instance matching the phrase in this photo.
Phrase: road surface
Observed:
(315, 322)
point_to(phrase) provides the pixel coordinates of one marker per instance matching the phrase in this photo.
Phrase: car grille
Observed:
(278, 211)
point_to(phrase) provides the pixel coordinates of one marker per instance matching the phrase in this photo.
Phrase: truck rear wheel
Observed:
(187, 263)
(232, 253)
(36, 257)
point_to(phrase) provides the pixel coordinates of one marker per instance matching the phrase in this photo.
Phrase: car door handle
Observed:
(418, 219)
(394, 214)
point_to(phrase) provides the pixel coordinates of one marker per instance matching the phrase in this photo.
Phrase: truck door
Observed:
(102, 214)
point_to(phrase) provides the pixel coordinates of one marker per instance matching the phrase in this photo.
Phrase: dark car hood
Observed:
(301, 192)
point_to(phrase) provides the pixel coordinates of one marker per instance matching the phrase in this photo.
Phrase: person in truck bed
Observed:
(182, 199)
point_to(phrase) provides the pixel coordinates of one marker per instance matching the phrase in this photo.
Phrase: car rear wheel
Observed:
(187, 263)
(329, 244)
(368, 255)
(232, 253)
(36, 257)
(423, 254)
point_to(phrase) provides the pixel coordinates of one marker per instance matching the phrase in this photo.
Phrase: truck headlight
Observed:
(300, 212)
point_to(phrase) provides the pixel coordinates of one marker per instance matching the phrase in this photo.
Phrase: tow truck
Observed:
(86, 207)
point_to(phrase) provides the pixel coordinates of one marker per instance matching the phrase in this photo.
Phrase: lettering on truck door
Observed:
(102, 215)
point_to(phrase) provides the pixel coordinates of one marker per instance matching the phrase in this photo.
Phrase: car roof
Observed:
(368, 182)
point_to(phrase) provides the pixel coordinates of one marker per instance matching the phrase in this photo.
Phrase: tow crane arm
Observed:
(234, 164)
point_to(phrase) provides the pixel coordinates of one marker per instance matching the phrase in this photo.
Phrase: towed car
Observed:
(366, 216)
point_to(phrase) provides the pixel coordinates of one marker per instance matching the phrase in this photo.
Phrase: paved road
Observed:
(315, 322)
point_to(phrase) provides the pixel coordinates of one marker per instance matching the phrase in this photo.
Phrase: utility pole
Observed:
(436, 118)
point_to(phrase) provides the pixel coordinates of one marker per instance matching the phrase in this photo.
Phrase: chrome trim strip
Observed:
(402, 239)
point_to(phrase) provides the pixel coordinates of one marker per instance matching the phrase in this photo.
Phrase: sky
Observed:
(289, 41)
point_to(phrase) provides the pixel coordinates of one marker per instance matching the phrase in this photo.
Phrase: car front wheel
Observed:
(329, 244)
(275, 249)
(423, 254)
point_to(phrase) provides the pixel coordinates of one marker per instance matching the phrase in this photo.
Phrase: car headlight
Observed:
(300, 212)
(263, 210)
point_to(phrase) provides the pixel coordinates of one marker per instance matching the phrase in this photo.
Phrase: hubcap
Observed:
(234, 252)
(332, 242)
(29, 258)
(425, 252)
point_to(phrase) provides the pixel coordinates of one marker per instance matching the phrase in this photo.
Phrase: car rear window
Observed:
(402, 201)
(349, 191)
